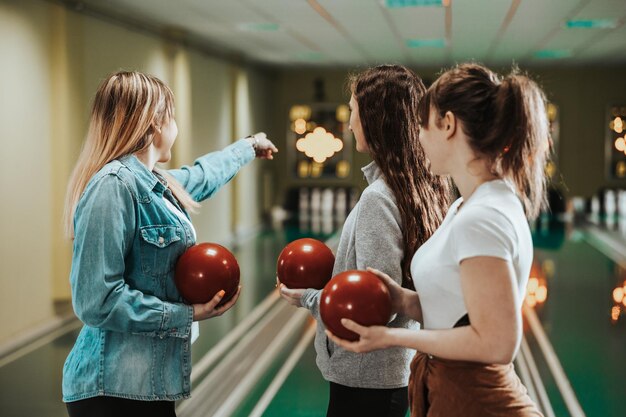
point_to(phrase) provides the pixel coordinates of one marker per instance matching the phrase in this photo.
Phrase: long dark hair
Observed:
(506, 121)
(388, 97)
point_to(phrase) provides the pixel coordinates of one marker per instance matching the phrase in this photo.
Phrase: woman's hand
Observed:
(292, 296)
(263, 147)
(208, 310)
(395, 290)
(370, 338)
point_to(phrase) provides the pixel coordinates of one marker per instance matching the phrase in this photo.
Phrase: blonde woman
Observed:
(129, 223)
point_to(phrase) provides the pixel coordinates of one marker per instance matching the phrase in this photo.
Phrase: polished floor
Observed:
(578, 316)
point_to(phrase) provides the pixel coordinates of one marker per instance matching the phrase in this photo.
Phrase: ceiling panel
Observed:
(569, 39)
(612, 49)
(419, 22)
(381, 44)
(361, 32)
(472, 32)
(533, 22)
(602, 9)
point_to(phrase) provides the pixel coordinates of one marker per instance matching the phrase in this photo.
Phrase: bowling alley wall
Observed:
(583, 96)
(52, 60)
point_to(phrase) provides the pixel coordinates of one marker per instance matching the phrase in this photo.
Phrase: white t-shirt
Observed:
(490, 223)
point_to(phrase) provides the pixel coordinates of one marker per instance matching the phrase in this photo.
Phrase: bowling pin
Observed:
(316, 201)
(595, 209)
(316, 210)
(609, 205)
(340, 207)
(328, 197)
(304, 209)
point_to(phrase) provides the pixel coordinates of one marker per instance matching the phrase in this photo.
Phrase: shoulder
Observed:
(110, 183)
(378, 192)
(483, 214)
(484, 230)
(377, 206)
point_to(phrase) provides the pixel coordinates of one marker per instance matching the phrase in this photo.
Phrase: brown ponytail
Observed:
(505, 120)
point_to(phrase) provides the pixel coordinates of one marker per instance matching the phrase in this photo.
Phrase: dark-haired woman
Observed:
(398, 211)
(490, 134)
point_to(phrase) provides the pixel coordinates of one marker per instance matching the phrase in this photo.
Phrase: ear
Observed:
(155, 132)
(449, 122)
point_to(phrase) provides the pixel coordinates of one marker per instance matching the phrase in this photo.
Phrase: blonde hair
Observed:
(126, 108)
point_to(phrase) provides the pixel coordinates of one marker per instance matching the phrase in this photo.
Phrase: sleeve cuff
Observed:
(243, 150)
(308, 298)
(177, 320)
(311, 301)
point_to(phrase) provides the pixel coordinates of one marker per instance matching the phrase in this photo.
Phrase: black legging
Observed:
(120, 407)
(363, 402)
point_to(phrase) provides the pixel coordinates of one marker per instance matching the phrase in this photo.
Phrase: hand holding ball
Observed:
(305, 263)
(356, 295)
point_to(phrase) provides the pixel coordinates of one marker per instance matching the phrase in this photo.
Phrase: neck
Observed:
(468, 183)
(148, 158)
(470, 174)
(467, 170)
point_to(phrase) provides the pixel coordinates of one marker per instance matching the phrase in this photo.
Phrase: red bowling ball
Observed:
(356, 295)
(203, 270)
(305, 263)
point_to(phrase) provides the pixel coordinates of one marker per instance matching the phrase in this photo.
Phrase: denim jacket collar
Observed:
(151, 180)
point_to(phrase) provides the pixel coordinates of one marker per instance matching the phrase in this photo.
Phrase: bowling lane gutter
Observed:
(530, 376)
(284, 372)
(606, 243)
(562, 382)
(207, 361)
(226, 386)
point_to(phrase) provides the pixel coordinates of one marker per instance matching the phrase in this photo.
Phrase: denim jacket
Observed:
(135, 342)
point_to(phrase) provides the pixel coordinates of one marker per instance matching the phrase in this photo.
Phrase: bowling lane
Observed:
(577, 318)
(31, 384)
(303, 394)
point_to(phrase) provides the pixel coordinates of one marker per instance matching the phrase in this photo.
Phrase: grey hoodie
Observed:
(371, 237)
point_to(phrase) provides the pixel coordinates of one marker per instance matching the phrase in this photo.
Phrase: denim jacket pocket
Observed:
(158, 254)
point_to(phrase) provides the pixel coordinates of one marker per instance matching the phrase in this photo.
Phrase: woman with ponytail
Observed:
(399, 210)
(490, 134)
(129, 222)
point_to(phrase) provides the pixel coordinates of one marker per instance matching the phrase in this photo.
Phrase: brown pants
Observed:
(446, 388)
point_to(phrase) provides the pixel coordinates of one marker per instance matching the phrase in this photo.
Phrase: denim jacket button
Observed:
(161, 239)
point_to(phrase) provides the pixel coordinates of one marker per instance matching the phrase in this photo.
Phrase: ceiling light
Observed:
(426, 43)
(591, 24)
(259, 27)
(552, 54)
(398, 4)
